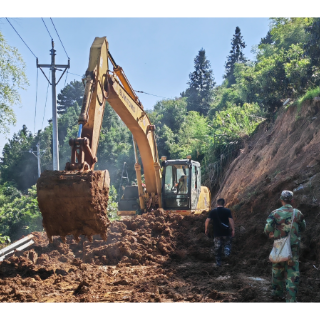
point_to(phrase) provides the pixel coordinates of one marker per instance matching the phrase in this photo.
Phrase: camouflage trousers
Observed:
(221, 243)
(286, 274)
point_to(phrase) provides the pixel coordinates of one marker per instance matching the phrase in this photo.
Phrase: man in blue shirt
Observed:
(223, 230)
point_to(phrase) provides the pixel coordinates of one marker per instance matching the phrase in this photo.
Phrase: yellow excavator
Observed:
(74, 201)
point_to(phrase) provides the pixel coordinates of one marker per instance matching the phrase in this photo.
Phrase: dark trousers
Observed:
(222, 243)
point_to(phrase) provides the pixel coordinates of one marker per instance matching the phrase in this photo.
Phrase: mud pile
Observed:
(156, 257)
(74, 203)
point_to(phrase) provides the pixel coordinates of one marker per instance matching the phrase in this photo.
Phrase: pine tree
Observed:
(71, 93)
(200, 93)
(236, 56)
(267, 39)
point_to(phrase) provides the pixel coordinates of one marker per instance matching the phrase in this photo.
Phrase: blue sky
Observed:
(156, 53)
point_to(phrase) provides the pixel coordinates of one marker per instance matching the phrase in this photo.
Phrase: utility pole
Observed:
(53, 67)
(38, 156)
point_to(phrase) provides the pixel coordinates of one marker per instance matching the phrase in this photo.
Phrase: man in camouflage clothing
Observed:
(277, 227)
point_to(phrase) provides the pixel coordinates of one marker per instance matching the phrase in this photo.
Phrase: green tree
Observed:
(168, 116)
(193, 137)
(288, 31)
(201, 82)
(12, 78)
(72, 93)
(17, 164)
(312, 50)
(281, 68)
(267, 39)
(21, 215)
(224, 97)
(235, 56)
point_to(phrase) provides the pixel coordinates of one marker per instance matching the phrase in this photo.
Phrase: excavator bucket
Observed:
(74, 203)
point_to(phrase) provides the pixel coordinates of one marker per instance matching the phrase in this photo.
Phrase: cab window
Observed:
(176, 179)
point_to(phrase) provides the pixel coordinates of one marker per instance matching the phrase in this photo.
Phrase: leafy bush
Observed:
(192, 139)
(20, 216)
(4, 240)
(237, 122)
(112, 204)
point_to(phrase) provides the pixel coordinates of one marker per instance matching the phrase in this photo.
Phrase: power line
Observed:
(44, 112)
(75, 74)
(65, 81)
(35, 106)
(20, 37)
(59, 38)
(150, 94)
(47, 29)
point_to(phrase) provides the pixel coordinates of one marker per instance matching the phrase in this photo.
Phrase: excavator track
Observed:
(74, 203)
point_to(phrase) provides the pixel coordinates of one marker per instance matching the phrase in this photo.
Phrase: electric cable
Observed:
(44, 112)
(35, 106)
(59, 39)
(21, 38)
(65, 81)
(150, 94)
(75, 74)
(47, 29)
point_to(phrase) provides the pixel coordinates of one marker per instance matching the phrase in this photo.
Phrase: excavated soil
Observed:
(156, 257)
(74, 203)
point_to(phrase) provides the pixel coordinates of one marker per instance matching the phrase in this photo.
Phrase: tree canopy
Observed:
(12, 78)
(201, 82)
(235, 56)
(72, 93)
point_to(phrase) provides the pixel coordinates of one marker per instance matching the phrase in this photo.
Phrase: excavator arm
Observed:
(79, 178)
(103, 85)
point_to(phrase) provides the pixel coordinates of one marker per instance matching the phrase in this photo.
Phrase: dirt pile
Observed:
(74, 203)
(156, 257)
(285, 155)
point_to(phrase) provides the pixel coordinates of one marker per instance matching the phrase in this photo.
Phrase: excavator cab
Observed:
(181, 187)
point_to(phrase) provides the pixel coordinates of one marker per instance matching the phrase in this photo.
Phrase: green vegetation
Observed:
(12, 78)
(19, 213)
(208, 121)
(309, 95)
(236, 56)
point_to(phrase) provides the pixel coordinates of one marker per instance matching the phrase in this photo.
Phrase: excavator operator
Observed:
(183, 184)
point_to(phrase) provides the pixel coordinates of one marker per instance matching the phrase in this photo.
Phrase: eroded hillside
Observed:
(285, 155)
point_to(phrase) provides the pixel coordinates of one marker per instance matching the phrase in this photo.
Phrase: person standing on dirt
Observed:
(277, 227)
(223, 230)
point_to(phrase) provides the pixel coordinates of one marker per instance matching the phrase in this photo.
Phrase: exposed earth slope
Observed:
(283, 156)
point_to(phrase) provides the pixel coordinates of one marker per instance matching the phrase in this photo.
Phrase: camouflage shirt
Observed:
(279, 222)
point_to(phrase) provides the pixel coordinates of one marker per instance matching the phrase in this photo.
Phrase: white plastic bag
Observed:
(281, 250)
